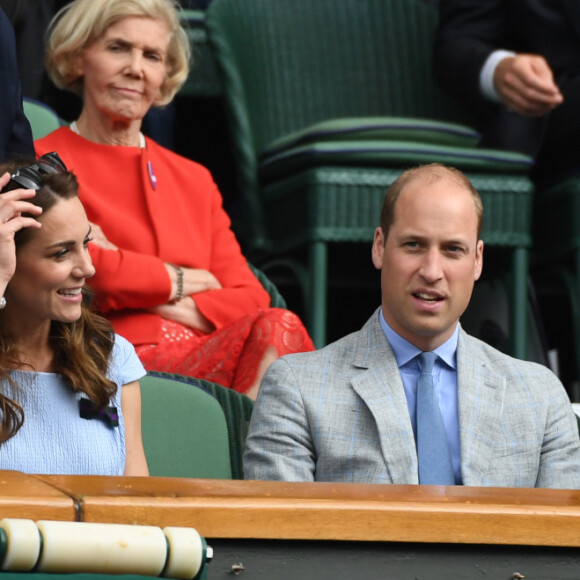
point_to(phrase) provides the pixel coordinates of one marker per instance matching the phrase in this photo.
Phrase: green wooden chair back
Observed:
(288, 64)
(276, 299)
(237, 409)
(344, 58)
(43, 120)
(184, 429)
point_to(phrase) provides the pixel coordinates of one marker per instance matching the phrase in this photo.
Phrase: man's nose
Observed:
(431, 268)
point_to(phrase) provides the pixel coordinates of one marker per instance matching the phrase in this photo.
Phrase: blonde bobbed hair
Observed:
(83, 22)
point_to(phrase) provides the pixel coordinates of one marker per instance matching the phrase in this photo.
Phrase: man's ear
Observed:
(378, 248)
(478, 260)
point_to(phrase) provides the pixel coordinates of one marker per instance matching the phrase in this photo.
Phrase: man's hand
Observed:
(525, 83)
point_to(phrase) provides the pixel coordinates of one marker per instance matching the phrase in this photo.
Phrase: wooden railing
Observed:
(303, 511)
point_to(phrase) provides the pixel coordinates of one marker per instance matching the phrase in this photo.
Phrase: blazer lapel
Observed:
(380, 387)
(481, 395)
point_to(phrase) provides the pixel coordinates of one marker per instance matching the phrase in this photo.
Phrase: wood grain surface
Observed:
(325, 511)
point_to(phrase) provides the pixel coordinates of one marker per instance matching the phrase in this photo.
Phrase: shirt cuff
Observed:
(487, 71)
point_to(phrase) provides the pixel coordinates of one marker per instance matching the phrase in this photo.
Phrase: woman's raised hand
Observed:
(12, 205)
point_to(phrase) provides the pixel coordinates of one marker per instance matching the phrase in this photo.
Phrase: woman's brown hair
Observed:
(82, 348)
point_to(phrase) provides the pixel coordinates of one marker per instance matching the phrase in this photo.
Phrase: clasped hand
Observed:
(525, 83)
(185, 311)
(195, 280)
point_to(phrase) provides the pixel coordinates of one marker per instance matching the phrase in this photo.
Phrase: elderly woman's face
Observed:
(124, 70)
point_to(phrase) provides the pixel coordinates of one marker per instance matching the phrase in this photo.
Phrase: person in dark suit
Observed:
(15, 132)
(516, 64)
(29, 20)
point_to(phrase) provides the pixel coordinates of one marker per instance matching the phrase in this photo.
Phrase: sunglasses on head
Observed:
(30, 177)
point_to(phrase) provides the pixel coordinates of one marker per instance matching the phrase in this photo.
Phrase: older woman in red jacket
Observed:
(170, 274)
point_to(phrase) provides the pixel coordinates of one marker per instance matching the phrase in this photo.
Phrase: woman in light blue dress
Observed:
(69, 393)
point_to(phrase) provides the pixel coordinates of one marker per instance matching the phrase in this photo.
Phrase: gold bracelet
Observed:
(179, 282)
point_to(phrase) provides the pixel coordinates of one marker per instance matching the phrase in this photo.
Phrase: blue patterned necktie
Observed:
(432, 445)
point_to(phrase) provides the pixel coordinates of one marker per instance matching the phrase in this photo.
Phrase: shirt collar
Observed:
(405, 351)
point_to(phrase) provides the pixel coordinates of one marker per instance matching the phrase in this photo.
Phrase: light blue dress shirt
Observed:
(444, 382)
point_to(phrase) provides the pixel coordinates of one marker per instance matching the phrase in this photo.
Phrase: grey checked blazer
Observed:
(340, 414)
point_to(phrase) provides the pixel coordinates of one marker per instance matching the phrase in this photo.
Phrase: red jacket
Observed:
(181, 220)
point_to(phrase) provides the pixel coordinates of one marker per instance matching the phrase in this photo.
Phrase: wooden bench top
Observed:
(25, 496)
(326, 511)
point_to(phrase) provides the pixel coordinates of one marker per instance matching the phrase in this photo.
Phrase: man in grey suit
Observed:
(347, 412)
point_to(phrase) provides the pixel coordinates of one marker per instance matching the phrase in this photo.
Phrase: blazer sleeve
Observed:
(560, 456)
(127, 279)
(16, 140)
(20, 144)
(241, 292)
(468, 32)
(279, 445)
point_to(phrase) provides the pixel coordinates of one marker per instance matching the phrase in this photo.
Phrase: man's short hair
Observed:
(431, 173)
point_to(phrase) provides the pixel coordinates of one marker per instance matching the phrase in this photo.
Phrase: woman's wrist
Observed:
(178, 282)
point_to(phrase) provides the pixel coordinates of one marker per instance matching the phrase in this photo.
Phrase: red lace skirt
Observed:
(231, 355)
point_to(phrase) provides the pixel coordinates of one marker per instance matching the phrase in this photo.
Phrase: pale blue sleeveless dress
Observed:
(54, 439)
